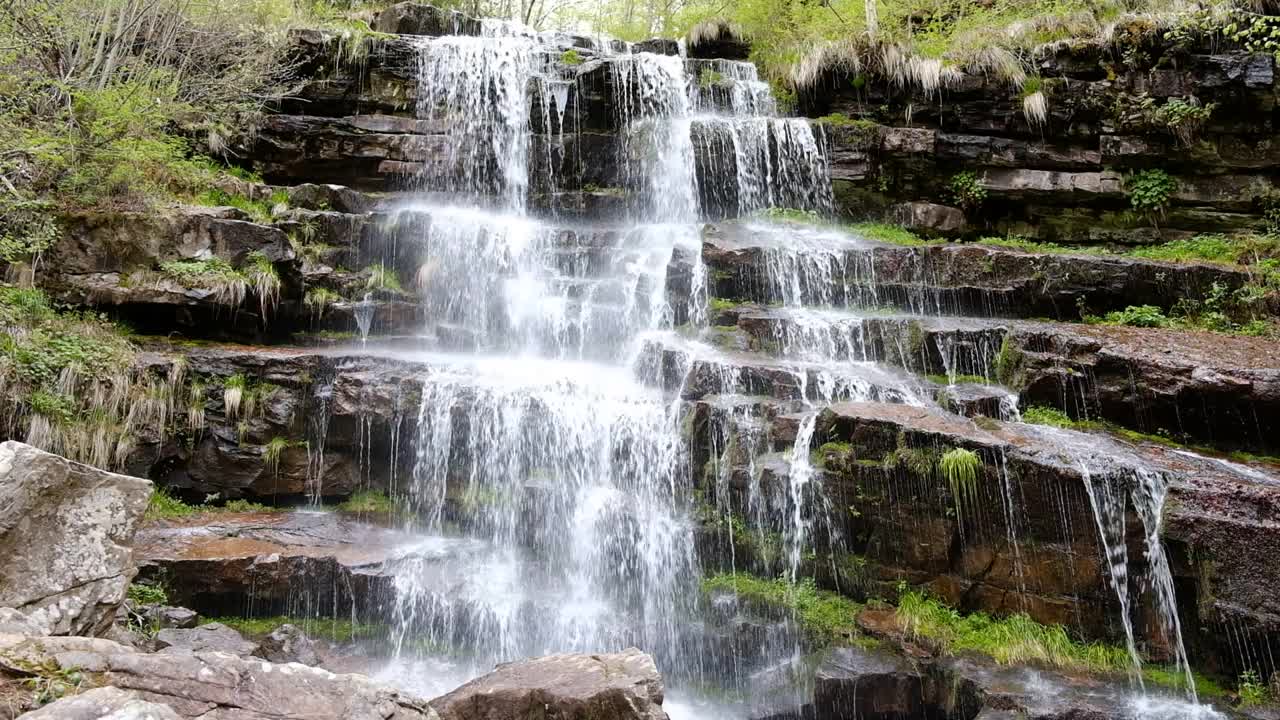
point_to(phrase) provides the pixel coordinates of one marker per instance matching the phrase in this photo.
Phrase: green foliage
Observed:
(319, 298)
(333, 629)
(957, 380)
(1138, 316)
(1150, 191)
(1041, 415)
(709, 78)
(823, 615)
(1009, 364)
(960, 467)
(164, 506)
(259, 210)
(381, 277)
(274, 450)
(571, 57)
(229, 285)
(1253, 691)
(368, 501)
(966, 190)
(27, 229)
(262, 276)
(893, 234)
(1013, 640)
(791, 215)
(148, 594)
(1184, 118)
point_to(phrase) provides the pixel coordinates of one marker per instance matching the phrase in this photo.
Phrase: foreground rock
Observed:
(271, 557)
(106, 703)
(213, 637)
(217, 685)
(65, 535)
(621, 686)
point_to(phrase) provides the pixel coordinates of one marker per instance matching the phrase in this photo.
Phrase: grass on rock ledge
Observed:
(1042, 415)
(332, 629)
(164, 506)
(824, 616)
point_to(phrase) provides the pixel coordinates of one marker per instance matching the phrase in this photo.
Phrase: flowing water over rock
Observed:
(578, 423)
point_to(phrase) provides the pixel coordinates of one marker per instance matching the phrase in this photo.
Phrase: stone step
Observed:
(770, 262)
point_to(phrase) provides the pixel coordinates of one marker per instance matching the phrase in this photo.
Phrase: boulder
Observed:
(212, 637)
(105, 703)
(216, 685)
(288, 643)
(66, 531)
(165, 616)
(620, 686)
(857, 684)
(929, 218)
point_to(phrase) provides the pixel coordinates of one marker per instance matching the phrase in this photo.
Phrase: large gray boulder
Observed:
(66, 532)
(106, 703)
(218, 686)
(620, 686)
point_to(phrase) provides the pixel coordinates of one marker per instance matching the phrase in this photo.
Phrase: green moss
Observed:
(1176, 678)
(893, 234)
(148, 594)
(957, 380)
(571, 57)
(368, 501)
(259, 210)
(321, 628)
(1013, 640)
(380, 277)
(1041, 415)
(709, 78)
(1014, 242)
(1010, 365)
(961, 468)
(163, 505)
(823, 615)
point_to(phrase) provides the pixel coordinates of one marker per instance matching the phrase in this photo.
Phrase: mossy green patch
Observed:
(323, 628)
(823, 615)
(368, 501)
(1013, 640)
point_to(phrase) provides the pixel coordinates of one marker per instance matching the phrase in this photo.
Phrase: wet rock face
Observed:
(66, 532)
(288, 643)
(619, 686)
(411, 18)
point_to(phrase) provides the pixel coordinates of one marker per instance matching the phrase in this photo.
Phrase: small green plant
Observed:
(163, 505)
(367, 501)
(893, 234)
(234, 389)
(264, 279)
(965, 189)
(1148, 316)
(960, 468)
(571, 57)
(1041, 415)
(272, 452)
(319, 299)
(1184, 118)
(1252, 690)
(1150, 191)
(1009, 364)
(709, 78)
(228, 285)
(258, 210)
(380, 277)
(1013, 640)
(823, 615)
(148, 594)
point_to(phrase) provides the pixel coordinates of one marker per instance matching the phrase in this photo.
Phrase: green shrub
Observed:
(381, 277)
(961, 467)
(1253, 691)
(571, 57)
(148, 594)
(1150, 191)
(229, 285)
(368, 501)
(1148, 316)
(1184, 118)
(966, 190)
(163, 506)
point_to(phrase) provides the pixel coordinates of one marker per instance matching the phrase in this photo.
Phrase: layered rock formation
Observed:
(1066, 176)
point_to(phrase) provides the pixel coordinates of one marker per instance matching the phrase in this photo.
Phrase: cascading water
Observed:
(551, 478)
(565, 475)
